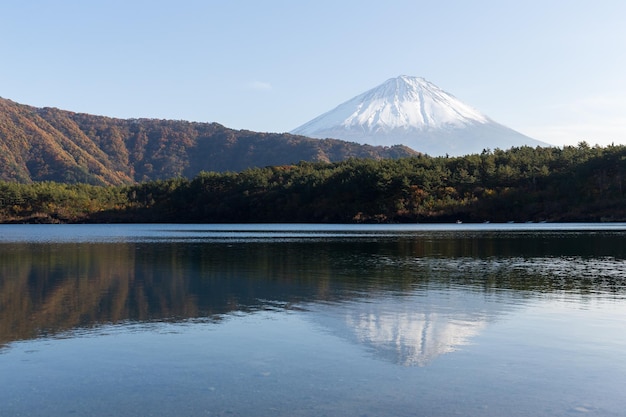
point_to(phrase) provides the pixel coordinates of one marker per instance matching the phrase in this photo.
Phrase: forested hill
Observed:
(580, 183)
(48, 144)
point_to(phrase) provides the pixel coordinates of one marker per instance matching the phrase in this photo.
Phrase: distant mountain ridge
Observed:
(48, 144)
(416, 113)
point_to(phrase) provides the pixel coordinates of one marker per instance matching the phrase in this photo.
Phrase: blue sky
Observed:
(554, 70)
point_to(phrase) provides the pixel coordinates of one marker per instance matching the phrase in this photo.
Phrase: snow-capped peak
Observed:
(414, 112)
(407, 103)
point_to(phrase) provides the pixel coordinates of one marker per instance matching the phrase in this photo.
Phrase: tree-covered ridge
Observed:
(47, 144)
(579, 183)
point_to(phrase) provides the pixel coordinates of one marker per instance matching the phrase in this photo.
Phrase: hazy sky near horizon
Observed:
(552, 69)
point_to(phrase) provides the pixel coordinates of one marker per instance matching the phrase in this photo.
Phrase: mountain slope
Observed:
(416, 113)
(47, 144)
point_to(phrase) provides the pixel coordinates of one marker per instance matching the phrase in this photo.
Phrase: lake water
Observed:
(313, 320)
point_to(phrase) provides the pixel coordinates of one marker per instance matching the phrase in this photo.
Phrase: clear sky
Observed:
(552, 69)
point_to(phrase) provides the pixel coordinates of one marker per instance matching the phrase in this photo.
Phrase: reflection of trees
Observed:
(57, 287)
(49, 288)
(482, 244)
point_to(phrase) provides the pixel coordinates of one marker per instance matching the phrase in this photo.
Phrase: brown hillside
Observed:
(48, 144)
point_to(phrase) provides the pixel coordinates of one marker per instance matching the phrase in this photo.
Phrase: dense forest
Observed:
(573, 183)
(48, 144)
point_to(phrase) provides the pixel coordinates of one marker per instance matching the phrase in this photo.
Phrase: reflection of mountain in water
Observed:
(413, 338)
(412, 330)
(450, 284)
(46, 289)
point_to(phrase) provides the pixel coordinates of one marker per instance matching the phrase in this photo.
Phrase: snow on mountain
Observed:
(414, 112)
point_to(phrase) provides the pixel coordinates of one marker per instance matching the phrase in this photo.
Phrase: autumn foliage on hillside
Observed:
(48, 144)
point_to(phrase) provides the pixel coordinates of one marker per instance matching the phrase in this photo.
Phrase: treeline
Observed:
(52, 202)
(573, 183)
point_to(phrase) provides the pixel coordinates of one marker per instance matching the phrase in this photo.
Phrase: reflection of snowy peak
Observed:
(411, 330)
(413, 338)
(414, 112)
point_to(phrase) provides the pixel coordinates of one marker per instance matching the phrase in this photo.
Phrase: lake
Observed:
(313, 320)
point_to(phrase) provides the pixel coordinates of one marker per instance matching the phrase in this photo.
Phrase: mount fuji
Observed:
(414, 112)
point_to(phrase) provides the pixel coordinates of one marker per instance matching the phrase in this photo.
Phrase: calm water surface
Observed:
(313, 320)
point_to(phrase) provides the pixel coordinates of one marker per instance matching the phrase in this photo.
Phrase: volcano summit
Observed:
(414, 112)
